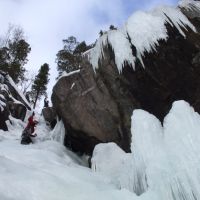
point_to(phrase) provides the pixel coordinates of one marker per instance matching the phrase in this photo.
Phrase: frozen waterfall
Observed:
(165, 160)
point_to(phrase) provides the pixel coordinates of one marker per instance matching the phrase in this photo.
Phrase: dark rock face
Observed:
(97, 107)
(90, 111)
(170, 74)
(17, 110)
(50, 116)
(3, 117)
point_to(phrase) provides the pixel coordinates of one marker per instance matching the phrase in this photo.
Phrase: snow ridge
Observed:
(69, 74)
(143, 29)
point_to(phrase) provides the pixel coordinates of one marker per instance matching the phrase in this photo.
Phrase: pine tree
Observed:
(39, 86)
(69, 58)
(14, 51)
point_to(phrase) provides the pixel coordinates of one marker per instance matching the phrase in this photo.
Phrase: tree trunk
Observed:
(36, 98)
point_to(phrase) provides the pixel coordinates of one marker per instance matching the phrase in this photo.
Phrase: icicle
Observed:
(144, 29)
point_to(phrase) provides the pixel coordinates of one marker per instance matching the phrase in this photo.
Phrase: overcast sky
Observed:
(47, 22)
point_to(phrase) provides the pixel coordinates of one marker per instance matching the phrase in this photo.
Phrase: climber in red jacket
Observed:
(31, 124)
(29, 130)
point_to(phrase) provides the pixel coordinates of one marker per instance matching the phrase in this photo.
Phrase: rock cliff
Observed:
(11, 101)
(128, 69)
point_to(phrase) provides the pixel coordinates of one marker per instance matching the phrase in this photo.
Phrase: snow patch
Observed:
(64, 74)
(2, 97)
(73, 84)
(2, 106)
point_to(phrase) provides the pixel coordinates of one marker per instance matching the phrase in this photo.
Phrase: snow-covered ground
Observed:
(164, 163)
(46, 170)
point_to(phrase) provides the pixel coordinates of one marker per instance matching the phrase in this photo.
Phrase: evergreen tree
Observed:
(112, 27)
(70, 44)
(69, 58)
(39, 86)
(14, 51)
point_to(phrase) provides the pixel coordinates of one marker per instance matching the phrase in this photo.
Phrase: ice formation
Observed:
(58, 133)
(143, 30)
(165, 161)
(46, 170)
(112, 161)
(189, 4)
(170, 154)
(96, 53)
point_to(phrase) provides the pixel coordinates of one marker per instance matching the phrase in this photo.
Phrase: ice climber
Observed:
(29, 130)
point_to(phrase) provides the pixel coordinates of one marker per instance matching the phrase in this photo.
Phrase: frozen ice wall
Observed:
(189, 4)
(58, 133)
(165, 160)
(112, 161)
(168, 155)
(143, 30)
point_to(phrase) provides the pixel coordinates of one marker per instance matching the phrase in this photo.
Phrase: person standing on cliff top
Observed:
(46, 102)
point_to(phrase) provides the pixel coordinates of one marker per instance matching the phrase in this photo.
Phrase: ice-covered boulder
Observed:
(112, 161)
(149, 63)
(12, 101)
